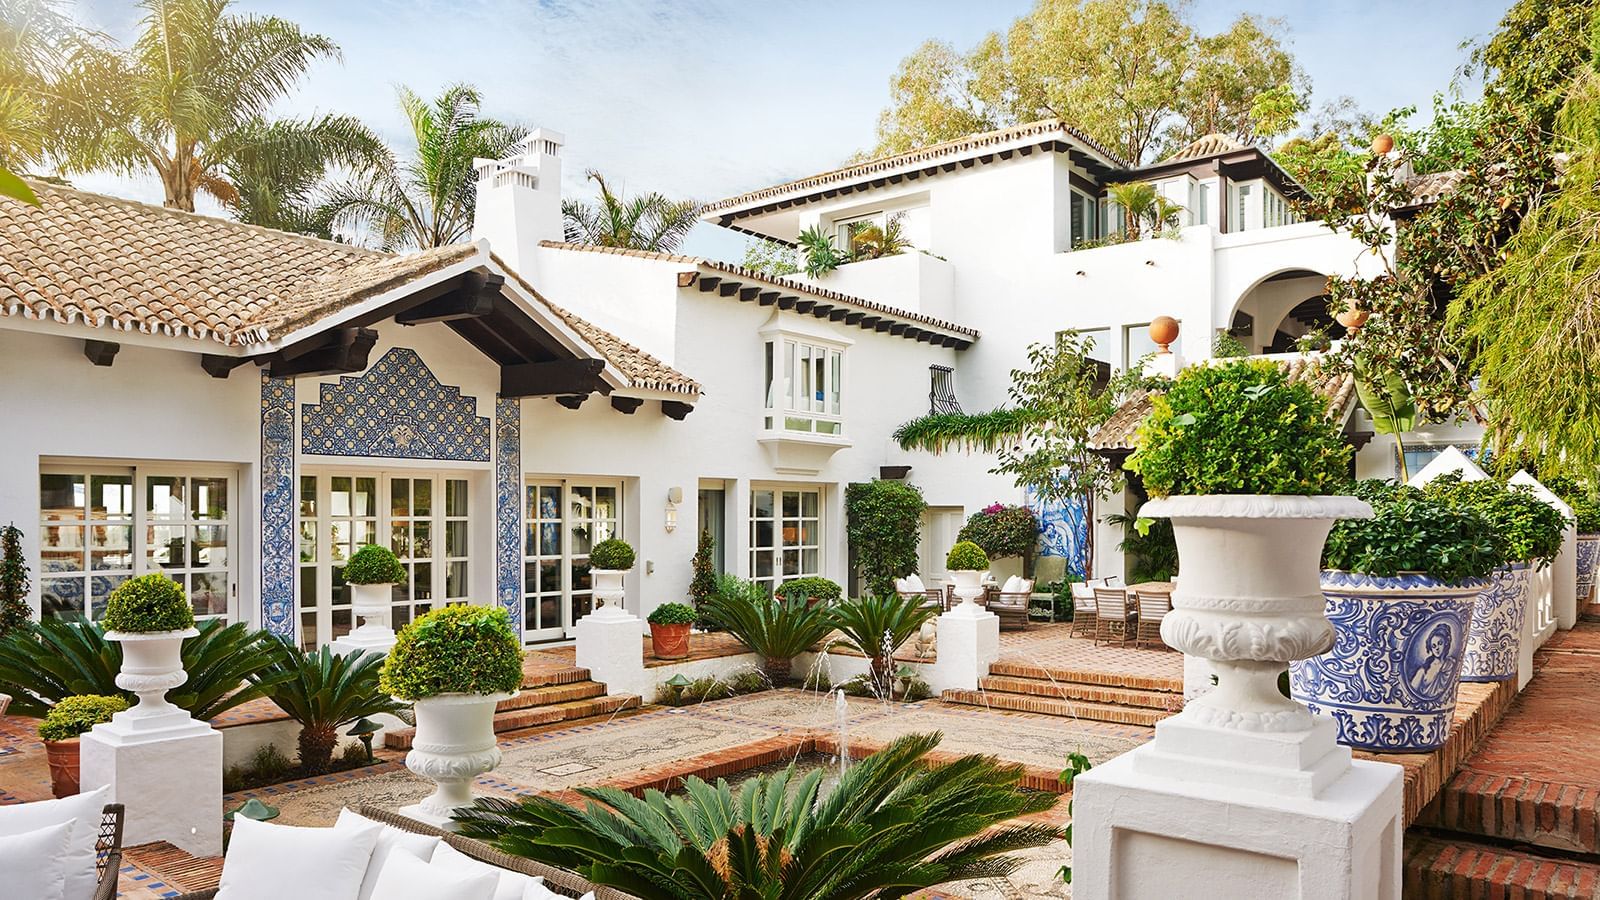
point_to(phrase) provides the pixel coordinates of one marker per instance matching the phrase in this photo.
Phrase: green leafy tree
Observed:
(893, 825)
(1143, 207)
(38, 41)
(324, 691)
(14, 611)
(1533, 53)
(644, 222)
(821, 255)
(769, 258)
(426, 200)
(884, 528)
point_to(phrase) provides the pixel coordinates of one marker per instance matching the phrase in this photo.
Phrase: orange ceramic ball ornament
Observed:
(1164, 330)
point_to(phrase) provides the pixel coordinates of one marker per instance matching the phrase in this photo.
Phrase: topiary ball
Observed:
(966, 556)
(73, 716)
(614, 554)
(461, 649)
(373, 564)
(148, 604)
(672, 614)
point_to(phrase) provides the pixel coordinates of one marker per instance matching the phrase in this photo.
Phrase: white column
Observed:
(968, 641)
(1563, 570)
(611, 648)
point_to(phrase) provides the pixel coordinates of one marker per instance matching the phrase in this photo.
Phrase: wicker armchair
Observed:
(1153, 607)
(1084, 612)
(1011, 606)
(108, 851)
(1115, 616)
(558, 880)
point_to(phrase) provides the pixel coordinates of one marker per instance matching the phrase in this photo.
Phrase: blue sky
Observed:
(707, 98)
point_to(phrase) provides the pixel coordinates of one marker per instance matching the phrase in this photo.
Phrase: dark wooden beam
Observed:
(839, 314)
(473, 301)
(924, 337)
(893, 473)
(898, 328)
(728, 288)
(708, 283)
(687, 278)
(868, 321)
(787, 302)
(101, 353)
(549, 379)
(572, 402)
(802, 306)
(967, 163)
(884, 325)
(218, 366)
(626, 405)
(852, 318)
(344, 353)
(822, 310)
(748, 294)
(676, 409)
(962, 345)
(912, 333)
(769, 297)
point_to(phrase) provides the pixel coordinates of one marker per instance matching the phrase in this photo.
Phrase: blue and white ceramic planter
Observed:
(1390, 680)
(1496, 635)
(1588, 563)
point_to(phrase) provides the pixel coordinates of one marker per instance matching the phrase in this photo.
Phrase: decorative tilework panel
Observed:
(1063, 529)
(508, 506)
(277, 505)
(397, 409)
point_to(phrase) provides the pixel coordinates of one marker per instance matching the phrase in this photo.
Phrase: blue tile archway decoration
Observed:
(508, 506)
(397, 408)
(277, 506)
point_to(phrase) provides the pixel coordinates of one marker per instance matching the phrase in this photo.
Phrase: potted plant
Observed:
(669, 630)
(1400, 589)
(453, 665)
(1243, 462)
(60, 730)
(1004, 531)
(813, 588)
(372, 573)
(609, 560)
(966, 562)
(1585, 506)
(1532, 530)
(150, 616)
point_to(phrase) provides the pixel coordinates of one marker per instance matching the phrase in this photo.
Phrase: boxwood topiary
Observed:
(1532, 528)
(461, 649)
(672, 614)
(813, 588)
(148, 604)
(373, 564)
(966, 556)
(75, 715)
(1411, 532)
(615, 554)
(1239, 428)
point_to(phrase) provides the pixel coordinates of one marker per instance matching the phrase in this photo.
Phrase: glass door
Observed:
(565, 519)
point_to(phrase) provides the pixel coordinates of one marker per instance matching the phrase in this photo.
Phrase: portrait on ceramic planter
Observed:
(1495, 639)
(1390, 680)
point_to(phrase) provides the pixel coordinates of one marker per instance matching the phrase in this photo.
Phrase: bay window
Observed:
(804, 386)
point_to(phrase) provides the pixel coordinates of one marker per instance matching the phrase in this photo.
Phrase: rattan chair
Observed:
(933, 597)
(1115, 617)
(1153, 607)
(1011, 606)
(108, 851)
(1083, 611)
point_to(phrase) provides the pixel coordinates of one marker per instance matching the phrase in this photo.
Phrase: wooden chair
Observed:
(1083, 610)
(913, 587)
(1012, 605)
(1115, 618)
(1153, 607)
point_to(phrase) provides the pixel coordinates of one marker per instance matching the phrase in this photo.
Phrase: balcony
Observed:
(913, 281)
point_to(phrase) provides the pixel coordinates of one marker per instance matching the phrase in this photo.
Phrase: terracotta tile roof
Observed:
(1121, 430)
(788, 284)
(106, 262)
(963, 146)
(1213, 144)
(1431, 188)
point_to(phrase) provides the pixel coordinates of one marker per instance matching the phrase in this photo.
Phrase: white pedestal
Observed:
(370, 638)
(1248, 815)
(1198, 676)
(610, 646)
(167, 770)
(969, 640)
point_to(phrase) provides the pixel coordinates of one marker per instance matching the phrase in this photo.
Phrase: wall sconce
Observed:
(674, 497)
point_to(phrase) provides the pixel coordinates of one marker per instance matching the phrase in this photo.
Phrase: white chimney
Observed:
(519, 200)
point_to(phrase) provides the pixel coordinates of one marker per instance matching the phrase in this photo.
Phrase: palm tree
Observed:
(186, 98)
(876, 627)
(648, 222)
(777, 630)
(426, 201)
(324, 691)
(37, 41)
(283, 190)
(891, 826)
(1143, 206)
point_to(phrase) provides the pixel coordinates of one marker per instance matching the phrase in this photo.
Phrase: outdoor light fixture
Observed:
(253, 809)
(365, 729)
(674, 497)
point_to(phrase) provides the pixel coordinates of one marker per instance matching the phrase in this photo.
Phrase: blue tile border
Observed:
(277, 506)
(508, 506)
(396, 409)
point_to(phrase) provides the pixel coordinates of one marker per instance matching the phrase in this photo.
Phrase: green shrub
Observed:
(14, 610)
(147, 604)
(1412, 532)
(1002, 531)
(1239, 428)
(1581, 498)
(813, 588)
(1532, 528)
(885, 526)
(460, 649)
(373, 564)
(614, 554)
(75, 715)
(672, 614)
(709, 688)
(877, 627)
(705, 570)
(267, 766)
(966, 556)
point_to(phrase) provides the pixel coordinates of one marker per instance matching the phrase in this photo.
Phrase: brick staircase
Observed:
(548, 696)
(1074, 694)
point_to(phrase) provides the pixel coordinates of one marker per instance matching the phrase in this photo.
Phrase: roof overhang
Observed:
(1244, 164)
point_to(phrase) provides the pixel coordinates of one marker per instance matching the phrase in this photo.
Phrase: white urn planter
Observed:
(152, 664)
(968, 587)
(373, 604)
(608, 591)
(1495, 640)
(454, 743)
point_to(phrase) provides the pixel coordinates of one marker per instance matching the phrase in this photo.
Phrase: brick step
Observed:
(552, 693)
(1017, 669)
(512, 720)
(1512, 808)
(543, 677)
(1066, 709)
(1075, 690)
(1450, 869)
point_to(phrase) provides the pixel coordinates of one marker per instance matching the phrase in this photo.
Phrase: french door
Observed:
(565, 519)
(422, 517)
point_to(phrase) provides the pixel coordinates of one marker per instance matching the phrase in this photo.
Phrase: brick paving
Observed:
(1048, 651)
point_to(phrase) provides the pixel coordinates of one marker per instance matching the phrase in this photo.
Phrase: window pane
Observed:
(549, 576)
(582, 502)
(208, 498)
(809, 533)
(422, 497)
(770, 395)
(61, 597)
(308, 587)
(791, 504)
(791, 563)
(400, 497)
(100, 588)
(803, 399)
(838, 367)
(111, 547)
(364, 502)
(308, 495)
(400, 540)
(605, 503)
(209, 546)
(208, 591)
(164, 497)
(339, 496)
(550, 612)
(364, 532)
(581, 580)
(763, 535)
(763, 567)
(761, 504)
(455, 498)
(808, 503)
(422, 539)
(308, 541)
(61, 548)
(61, 497)
(110, 496)
(422, 581)
(455, 538)
(788, 373)
(455, 579)
(166, 546)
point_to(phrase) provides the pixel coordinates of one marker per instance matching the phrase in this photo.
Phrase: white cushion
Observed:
(390, 839)
(83, 811)
(914, 583)
(405, 877)
(271, 862)
(1013, 585)
(537, 891)
(511, 886)
(33, 863)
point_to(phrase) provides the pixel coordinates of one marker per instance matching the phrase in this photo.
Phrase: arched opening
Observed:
(1275, 313)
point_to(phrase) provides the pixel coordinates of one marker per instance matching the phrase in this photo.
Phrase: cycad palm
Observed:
(891, 826)
(777, 630)
(876, 627)
(324, 691)
(646, 222)
(428, 200)
(187, 98)
(1142, 206)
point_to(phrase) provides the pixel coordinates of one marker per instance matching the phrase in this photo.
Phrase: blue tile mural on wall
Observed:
(396, 409)
(508, 505)
(1063, 530)
(277, 505)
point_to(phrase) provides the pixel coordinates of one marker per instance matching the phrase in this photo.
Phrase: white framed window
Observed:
(565, 519)
(785, 534)
(1085, 218)
(101, 525)
(804, 386)
(1200, 204)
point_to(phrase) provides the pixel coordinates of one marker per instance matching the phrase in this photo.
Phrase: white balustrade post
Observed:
(968, 641)
(610, 644)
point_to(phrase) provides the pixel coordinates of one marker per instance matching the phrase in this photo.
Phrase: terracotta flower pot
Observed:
(63, 759)
(670, 641)
(1352, 319)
